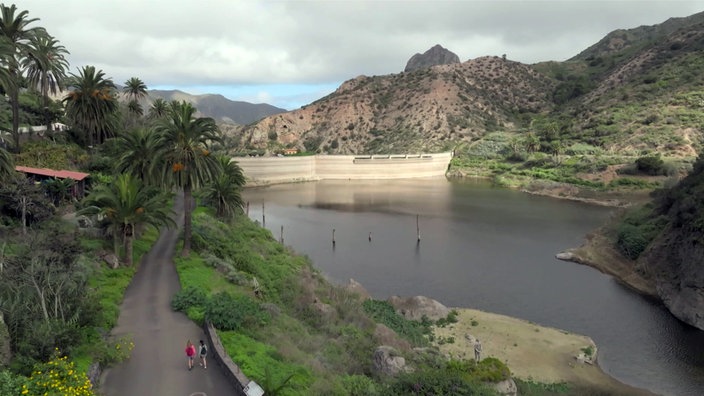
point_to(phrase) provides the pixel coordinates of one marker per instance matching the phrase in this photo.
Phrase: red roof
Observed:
(61, 174)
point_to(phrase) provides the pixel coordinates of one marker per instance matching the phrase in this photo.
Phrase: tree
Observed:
(223, 192)
(91, 105)
(127, 205)
(137, 149)
(532, 143)
(25, 200)
(14, 27)
(158, 109)
(135, 90)
(46, 67)
(187, 163)
(7, 166)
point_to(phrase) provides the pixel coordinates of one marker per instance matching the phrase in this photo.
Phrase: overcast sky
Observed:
(290, 53)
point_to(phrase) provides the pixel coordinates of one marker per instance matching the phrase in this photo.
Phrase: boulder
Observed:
(111, 260)
(414, 308)
(506, 387)
(387, 362)
(386, 336)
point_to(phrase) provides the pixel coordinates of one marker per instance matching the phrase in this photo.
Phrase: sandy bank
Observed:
(532, 352)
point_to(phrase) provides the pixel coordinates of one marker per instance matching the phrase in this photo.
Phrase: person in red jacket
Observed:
(190, 353)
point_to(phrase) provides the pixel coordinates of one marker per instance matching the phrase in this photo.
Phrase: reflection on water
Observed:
(484, 248)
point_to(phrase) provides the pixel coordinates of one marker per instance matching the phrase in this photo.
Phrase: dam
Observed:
(273, 170)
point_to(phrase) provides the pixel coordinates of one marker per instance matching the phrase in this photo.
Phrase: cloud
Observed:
(223, 43)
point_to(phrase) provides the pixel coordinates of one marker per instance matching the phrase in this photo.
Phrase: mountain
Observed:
(640, 97)
(437, 55)
(428, 109)
(219, 107)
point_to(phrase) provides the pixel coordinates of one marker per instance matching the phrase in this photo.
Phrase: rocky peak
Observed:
(432, 57)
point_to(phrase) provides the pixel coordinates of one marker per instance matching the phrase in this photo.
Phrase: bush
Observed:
(359, 385)
(57, 377)
(383, 312)
(228, 312)
(187, 298)
(652, 165)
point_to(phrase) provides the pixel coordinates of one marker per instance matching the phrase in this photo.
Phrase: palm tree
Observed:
(135, 90)
(158, 109)
(224, 191)
(91, 105)
(532, 143)
(7, 166)
(187, 162)
(138, 148)
(46, 66)
(15, 28)
(127, 205)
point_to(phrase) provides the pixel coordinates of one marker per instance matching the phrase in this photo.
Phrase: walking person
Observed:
(477, 350)
(203, 354)
(190, 354)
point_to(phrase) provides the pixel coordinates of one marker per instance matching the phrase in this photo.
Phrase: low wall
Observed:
(217, 352)
(264, 170)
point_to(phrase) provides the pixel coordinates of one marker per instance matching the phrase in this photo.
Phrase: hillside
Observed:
(219, 107)
(635, 92)
(431, 109)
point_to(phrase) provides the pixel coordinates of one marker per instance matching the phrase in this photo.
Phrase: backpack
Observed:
(203, 350)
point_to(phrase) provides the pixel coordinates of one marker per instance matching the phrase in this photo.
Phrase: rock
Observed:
(387, 361)
(386, 336)
(506, 387)
(5, 352)
(111, 260)
(414, 308)
(357, 287)
(566, 256)
(432, 57)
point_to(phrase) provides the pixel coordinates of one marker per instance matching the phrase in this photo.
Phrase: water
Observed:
(485, 248)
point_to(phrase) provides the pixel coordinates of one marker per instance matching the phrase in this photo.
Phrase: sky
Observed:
(291, 53)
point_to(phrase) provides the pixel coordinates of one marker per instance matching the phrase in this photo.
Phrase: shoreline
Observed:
(531, 351)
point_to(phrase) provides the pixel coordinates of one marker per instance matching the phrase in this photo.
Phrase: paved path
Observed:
(158, 365)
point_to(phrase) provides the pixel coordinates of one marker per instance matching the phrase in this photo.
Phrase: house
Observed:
(290, 151)
(41, 174)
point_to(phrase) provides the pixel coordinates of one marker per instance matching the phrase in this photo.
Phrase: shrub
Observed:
(228, 312)
(383, 312)
(187, 298)
(57, 377)
(652, 165)
(359, 385)
(10, 384)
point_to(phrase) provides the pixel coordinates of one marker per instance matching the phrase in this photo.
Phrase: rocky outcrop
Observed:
(676, 263)
(387, 362)
(432, 57)
(414, 308)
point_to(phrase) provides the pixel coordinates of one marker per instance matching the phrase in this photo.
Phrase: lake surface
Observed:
(484, 248)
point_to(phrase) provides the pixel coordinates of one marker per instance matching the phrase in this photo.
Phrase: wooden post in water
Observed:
(281, 239)
(333, 237)
(263, 216)
(247, 210)
(418, 228)
(370, 236)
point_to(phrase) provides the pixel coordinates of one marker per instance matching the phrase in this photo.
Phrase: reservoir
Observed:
(485, 248)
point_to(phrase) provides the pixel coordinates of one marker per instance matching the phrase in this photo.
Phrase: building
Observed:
(41, 174)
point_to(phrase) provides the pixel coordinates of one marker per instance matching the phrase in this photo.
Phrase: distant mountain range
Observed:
(219, 107)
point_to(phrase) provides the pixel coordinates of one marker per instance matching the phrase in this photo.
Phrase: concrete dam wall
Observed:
(268, 170)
